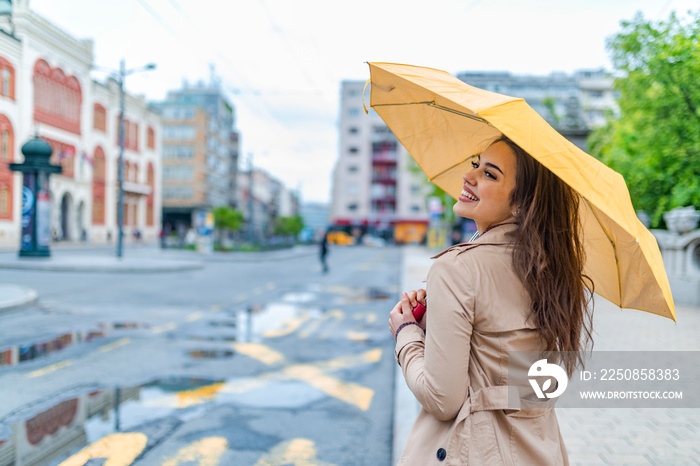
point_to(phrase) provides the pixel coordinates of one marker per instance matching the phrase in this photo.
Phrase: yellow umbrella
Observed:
(443, 122)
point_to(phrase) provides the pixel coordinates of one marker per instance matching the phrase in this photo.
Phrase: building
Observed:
(200, 154)
(46, 90)
(572, 104)
(315, 216)
(377, 188)
(264, 203)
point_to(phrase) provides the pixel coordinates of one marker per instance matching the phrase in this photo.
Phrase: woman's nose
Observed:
(469, 178)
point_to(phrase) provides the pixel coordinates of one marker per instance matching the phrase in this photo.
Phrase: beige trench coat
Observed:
(477, 311)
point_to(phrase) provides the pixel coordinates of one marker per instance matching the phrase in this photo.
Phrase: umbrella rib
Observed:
(450, 168)
(439, 107)
(612, 243)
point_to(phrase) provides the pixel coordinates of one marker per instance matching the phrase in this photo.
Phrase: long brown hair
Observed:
(550, 258)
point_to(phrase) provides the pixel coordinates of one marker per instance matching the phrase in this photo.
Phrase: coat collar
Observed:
(503, 234)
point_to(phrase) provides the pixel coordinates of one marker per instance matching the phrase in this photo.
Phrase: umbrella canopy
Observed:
(443, 123)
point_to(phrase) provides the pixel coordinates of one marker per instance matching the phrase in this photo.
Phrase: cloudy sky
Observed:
(281, 62)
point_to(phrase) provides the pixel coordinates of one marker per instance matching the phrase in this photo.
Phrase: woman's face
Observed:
(487, 188)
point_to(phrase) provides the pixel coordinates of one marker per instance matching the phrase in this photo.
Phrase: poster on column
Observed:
(28, 206)
(43, 219)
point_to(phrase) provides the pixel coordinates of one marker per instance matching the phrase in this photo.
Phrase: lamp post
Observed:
(123, 73)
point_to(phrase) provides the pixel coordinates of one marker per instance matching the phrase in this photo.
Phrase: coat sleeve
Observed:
(436, 366)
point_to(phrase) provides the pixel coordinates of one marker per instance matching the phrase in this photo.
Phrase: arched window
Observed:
(7, 79)
(151, 138)
(6, 175)
(151, 196)
(98, 187)
(57, 98)
(99, 118)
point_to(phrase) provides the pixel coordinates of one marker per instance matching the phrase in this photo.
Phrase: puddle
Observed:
(211, 354)
(365, 295)
(223, 323)
(299, 297)
(213, 338)
(18, 354)
(49, 435)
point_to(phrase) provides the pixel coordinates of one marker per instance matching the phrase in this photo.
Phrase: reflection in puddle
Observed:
(365, 295)
(50, 436)
(299, 297)
(211, 354)
(22, 353)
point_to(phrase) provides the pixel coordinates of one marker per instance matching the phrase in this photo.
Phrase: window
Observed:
(151, 142)
(57, 98)
(177, 192)
(179, 132)
(99, 118)
(352, 169)
(352, 207)
(178, 151)
(353, 130)
(353, 112)
(178, 173)
(415, 208)
(352, 189)
(6, 175)
(151, 181)
(7, 79)
(353, 150)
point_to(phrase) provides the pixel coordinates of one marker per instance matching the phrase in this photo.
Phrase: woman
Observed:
(518, 287)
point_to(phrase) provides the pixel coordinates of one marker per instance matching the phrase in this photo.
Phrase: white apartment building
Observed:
(46, 90)
(374, 188)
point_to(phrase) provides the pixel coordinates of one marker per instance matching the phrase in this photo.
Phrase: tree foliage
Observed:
(655, 141)
(289, 226)
(226, 218)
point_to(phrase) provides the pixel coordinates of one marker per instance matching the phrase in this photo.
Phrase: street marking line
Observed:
(51, 368)
(357, 336)
(164, 327)
(205, 452)
(369, 317)
(349, 392)
(194, 316)
(259, 352)
(288, 327)
(368, 357)
(118, 449)
(114, 344)
(298, 451)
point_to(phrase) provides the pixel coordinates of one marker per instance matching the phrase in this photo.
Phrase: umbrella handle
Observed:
(363, 95)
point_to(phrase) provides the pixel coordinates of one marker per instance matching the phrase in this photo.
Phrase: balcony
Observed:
(384, 178)
(384, 158)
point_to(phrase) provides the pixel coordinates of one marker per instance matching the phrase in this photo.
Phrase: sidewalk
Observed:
(598, 436)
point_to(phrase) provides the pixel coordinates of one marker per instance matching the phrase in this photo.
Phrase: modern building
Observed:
(200, 154)
(572, 104)
(377, 188)
(46, 90)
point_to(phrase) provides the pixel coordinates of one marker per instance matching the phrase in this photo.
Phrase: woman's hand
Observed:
(415, 297)
(402, 313)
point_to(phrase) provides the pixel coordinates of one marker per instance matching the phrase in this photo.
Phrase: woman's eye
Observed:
(475, 165)
(489, 175)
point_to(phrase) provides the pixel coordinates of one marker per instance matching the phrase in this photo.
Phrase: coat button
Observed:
(441, 454)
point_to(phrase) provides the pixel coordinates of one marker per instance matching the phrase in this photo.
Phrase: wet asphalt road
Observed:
(239, 363)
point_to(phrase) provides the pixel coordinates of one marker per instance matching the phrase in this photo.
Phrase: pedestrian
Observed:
(323, 252)
(518, 286)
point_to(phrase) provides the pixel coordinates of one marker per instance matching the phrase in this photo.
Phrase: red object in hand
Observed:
(418, 311)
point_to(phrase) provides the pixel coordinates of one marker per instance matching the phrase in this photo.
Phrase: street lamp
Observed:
(123, 73)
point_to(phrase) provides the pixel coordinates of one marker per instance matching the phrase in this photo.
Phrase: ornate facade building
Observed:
(46, 90)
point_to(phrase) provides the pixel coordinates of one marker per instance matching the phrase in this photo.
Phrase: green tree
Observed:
(655, 141)
(288, 226)
(227, 219)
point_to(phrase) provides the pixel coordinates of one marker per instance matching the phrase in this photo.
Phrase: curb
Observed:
(15, 297)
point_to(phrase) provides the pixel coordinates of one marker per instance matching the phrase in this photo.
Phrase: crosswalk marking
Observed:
(118, 449)
(114, 344)
(205, 452)
(298, 451)
(51, 368)
(194, 316)
(259, 352)
(164, 327)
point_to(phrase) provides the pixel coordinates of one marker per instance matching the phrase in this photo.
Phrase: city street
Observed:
(234, 361)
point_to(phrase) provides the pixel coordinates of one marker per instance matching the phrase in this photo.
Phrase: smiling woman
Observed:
(518, 287)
